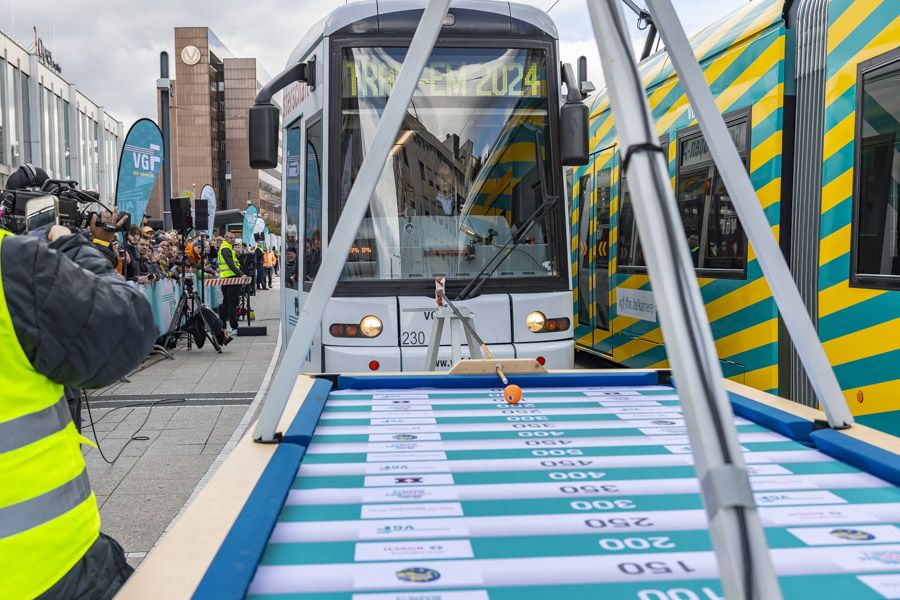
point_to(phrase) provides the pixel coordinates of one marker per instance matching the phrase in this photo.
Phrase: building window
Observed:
(62, 108)
(875, 259)
(26, 118)
(5, 96)
(12, 95)
(714, 233)
(312, 207)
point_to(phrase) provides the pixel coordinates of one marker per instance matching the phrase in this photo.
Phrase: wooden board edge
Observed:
(177, 563)
(858, 431)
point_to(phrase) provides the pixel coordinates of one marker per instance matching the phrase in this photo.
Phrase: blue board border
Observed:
(543, 380)
(232, 569)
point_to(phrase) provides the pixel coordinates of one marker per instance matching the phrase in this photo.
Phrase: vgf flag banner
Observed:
(249, 222)
(209, 194)
(139, 165)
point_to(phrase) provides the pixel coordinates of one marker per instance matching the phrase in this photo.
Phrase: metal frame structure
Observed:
(734, 525)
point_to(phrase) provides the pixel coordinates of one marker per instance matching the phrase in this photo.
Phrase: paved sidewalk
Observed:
(187, 409)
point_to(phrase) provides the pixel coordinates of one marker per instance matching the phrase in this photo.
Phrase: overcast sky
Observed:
(110, 49)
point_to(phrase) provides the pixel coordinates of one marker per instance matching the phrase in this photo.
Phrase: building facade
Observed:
(211, 93)
(48, 122)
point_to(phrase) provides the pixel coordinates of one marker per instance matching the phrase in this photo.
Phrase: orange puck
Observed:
(512, 393)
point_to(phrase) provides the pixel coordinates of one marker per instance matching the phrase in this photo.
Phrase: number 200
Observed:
(635, 543)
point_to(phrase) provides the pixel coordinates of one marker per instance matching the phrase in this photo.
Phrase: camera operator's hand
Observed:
(98, 232)
(57, 231)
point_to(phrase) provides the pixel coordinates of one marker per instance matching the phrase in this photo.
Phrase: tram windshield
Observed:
(463, 172)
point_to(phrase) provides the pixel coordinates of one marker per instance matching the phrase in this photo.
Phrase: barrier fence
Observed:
(164, 295)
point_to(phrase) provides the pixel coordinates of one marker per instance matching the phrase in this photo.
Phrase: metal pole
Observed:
(737, 181)
(351, 216)
(735, 528)
(164, 90)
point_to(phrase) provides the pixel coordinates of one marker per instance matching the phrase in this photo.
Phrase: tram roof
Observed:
(366, 18)
(742, 24)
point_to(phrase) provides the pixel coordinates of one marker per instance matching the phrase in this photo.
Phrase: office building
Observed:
(211, 92)
(49, 122)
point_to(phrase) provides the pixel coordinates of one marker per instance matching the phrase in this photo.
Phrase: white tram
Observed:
(460, 181)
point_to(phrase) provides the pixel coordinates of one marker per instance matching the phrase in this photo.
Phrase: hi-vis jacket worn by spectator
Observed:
(66, 319)
(269, 259)
(228, 261)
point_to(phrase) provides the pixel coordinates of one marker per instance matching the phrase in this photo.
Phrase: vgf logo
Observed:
(146, 159)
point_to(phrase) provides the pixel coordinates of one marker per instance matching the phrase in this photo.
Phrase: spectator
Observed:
(269, 264)
(258, 257)
(132, 254)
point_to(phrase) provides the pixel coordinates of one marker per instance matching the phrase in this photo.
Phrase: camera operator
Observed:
(67, 319)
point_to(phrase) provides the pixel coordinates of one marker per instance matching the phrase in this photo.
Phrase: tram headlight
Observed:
(371, 326)
(535, 321)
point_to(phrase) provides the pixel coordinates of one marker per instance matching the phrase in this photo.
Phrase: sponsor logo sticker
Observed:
(418, 574)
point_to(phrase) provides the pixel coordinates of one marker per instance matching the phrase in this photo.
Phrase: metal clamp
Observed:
(645, 147)
(726, 486)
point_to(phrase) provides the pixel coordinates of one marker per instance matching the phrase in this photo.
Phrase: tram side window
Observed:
(711, 226)
(877, 203)
(630, 254)
(312, 208)
(292, 206)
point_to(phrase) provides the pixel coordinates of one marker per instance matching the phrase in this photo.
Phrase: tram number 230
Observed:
(412, 338)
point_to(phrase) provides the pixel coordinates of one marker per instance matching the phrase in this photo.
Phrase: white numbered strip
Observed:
(526, 444)
(381, 394)
(570, 489)
(754, 459)
(515, 425)
(634, 422)
(412, 510)
(853, 517)
(561, 570)
(497, 412)
(490, 401)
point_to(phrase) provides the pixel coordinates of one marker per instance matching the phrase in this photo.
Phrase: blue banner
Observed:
(139, 165)
(250, 217)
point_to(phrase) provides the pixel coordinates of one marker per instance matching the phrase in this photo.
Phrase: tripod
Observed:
(189, 307)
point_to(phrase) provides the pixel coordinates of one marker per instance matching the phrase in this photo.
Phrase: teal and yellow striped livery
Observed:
(814, 118)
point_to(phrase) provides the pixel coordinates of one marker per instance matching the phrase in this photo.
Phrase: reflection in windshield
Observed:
(462, 173)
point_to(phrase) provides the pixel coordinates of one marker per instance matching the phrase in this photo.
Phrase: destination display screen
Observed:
(451, 72)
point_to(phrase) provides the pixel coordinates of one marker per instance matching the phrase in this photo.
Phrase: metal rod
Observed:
(468, 327)
(735, 528)
(752, 217)
(351, 216)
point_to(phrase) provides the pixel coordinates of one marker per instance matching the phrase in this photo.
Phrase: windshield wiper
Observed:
(517, 238)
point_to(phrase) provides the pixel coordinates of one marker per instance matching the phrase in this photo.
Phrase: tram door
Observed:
(593, 253)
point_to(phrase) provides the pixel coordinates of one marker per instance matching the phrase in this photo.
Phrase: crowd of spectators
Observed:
(152, 254)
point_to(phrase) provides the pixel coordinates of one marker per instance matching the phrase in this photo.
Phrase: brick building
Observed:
(212, 90)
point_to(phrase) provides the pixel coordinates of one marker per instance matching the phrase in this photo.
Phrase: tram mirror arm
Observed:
(573, 122)
(265, 118)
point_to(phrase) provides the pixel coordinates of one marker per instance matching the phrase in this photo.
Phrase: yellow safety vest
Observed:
(224, 269)
(48, 514)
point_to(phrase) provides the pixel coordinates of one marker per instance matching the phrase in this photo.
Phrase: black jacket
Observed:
(79, 323)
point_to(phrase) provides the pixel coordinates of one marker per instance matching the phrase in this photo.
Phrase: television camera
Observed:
(32, 201)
